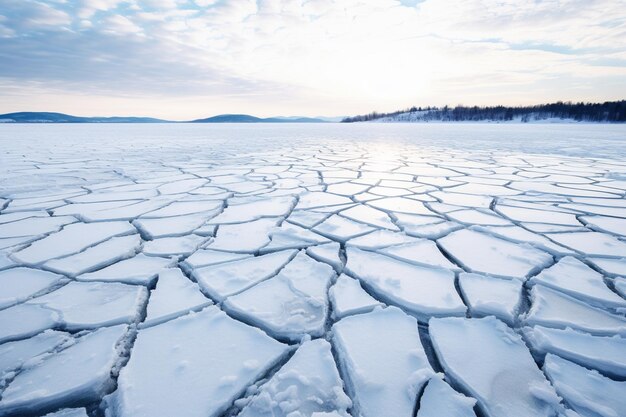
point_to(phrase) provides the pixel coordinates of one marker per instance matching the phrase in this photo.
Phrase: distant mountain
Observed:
(610, 112)
(246, 118)
(46, 117)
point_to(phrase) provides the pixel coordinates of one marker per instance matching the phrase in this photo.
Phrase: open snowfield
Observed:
(372, 270)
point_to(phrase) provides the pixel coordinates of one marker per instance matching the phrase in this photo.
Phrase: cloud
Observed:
(324, 56)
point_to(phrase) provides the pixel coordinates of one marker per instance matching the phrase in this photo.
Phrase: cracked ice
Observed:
(319, 277)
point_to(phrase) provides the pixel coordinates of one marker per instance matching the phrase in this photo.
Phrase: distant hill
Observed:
(246, 118)
(610, 111)
(48, 117)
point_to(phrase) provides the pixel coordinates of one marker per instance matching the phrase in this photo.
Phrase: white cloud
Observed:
(332, 57)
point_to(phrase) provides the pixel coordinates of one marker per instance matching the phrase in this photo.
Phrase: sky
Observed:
(185, 59)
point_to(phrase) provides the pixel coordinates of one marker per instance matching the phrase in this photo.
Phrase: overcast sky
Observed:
(182, 59)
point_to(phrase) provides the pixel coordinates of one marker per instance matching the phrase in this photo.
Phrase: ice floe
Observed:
(586, 391)
(206, 359)
(140, 269)
(348, 297)
(423, 291)
(228, 278)
(306, 385)
(173, 296)
(383, 359)
(480, 252)
(440, 400)
(501, 374)
(19, 284)
(603, 353)
(82, 373)
(289, 305)
(487, 296)
(552, 308)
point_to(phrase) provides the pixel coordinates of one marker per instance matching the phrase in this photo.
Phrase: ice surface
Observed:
(610, 266)
(591, 243)
(199, 363)
(501, 374)
(383, 359)
(291, 304)
(225, 279)
(586, 391)
(244, 237)
(614, 225)
(481, 252)
(204, 257)
(34, 226)
(341, 229)
(19, 284)
(96, 257)
(620, 286)
(603, 353)
(25, 320)
(538, 216)
(576, 279)
(21, 353)
(370, 216)
(551, 308)
(69, 412)
(327, 252)
(73, 238)
(439, 220)
(400, 205)
(140, 269)
(87, 305)
(425, 292)
(422, 252)
(246, 212)
(380, 239)
(440, 400)
(320, 199)
(519, 234)
(491, 296)
(308, 383)
(172, 226)
(80, 373)
(181, 208)
(348, 297)
(173, 296)
(168, 246)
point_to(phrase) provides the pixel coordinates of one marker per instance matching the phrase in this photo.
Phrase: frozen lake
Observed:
(321, 270)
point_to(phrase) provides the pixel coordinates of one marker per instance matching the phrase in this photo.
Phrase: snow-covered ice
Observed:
(173, 296)
(348, 297)
(19, 284)
(604, 353)
(490, 362)
(161, 270)
(487, 296)
(440, 400)
(552, 308)
(587, 391)
(291, 304)
(199, 363)
(423, 291)
(383, 358)
(481, 252)
(81, 373)
(308, 383)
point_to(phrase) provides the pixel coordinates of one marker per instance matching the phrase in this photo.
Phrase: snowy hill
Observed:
(49, 117)
(612, 112)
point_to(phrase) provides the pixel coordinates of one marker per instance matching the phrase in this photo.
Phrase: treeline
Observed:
(610, 111)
